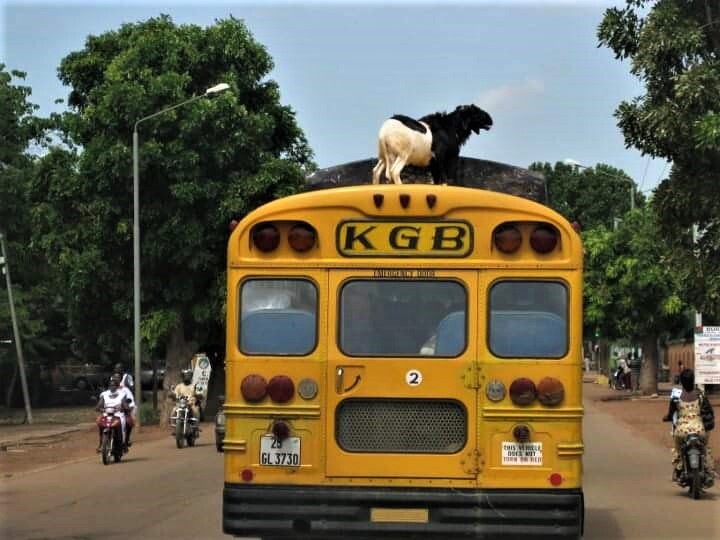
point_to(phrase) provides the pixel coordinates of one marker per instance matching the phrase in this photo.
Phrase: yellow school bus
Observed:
(404, 361)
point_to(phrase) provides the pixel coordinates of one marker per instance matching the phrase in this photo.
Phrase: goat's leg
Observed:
(397, 166)
(377, 171)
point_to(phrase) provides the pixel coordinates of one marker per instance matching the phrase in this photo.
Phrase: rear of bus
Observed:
(404, 362)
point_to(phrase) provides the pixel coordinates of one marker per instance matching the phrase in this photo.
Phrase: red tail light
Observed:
(507, 238)
(544, 239)
(522, 391)
(281, 388)
(254, 388)
(302, 237)
(266, 237)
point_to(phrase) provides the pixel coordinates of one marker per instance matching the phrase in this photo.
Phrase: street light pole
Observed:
(18, 344)
(573, 163)
(136, 233)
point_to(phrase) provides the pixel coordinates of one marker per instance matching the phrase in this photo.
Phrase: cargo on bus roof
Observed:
(472, 172)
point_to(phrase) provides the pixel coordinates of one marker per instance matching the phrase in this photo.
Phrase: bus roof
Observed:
(472, 172)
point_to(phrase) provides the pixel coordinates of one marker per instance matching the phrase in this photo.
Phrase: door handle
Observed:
(340, 380)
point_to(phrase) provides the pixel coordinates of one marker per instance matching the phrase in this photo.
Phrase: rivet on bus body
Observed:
(431, 200)
(556, 479)
(404, 200)
(247, 475)
(378, 199)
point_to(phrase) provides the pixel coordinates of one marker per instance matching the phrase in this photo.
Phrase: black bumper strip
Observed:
(320, 513)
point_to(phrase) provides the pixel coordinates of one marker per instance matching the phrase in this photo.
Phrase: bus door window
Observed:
(528, 319)
(399, 317)
(278, 316)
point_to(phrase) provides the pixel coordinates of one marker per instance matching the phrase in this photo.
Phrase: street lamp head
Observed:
(217, 89)
(571, 162)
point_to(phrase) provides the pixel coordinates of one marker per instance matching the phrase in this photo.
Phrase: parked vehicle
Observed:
(79, 375)
(184, 426)
(220, 424)
(694, 474)
(146, 375)
(112, 436)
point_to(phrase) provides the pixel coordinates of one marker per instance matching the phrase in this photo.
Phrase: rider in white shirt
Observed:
(117, 398)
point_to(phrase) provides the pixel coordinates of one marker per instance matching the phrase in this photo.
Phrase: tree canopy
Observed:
(674, 48)
(592, 196)
(200, 166)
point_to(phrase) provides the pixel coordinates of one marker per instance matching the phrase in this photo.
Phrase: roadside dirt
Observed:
(73, 446)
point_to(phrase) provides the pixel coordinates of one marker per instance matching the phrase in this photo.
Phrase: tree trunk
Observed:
(11, 388)
(649, 366)
(178, 354)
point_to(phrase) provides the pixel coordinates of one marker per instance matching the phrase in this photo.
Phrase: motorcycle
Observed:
(694, 474)
(112, 436)
(184, 425)
(220, 424)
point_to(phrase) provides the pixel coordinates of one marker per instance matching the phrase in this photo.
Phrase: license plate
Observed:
(276, 453)
(515, 453)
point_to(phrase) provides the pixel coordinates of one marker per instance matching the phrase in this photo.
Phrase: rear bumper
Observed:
(300, 512)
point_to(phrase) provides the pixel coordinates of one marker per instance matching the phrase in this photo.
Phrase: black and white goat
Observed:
(434, 140)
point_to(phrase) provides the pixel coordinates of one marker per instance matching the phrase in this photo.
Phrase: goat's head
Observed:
(473, 118)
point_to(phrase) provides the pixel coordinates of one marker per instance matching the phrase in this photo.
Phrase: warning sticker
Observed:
(515, 453)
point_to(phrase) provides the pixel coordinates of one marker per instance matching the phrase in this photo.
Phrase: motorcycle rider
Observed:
(126, 379)
(187, 389)
(113, 397)
(687, 406)
(127, 386)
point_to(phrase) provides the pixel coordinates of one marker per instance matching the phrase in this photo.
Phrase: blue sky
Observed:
(346, 66)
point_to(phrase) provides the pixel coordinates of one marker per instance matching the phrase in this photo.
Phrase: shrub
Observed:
(148, 415)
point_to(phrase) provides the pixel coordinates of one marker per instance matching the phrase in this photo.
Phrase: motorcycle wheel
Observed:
(105, 449)
(179, 436)
(695, 484)
(191, 440)
(117, 448)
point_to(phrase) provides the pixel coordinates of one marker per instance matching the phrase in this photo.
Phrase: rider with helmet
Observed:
(187, 389)
(689, 421)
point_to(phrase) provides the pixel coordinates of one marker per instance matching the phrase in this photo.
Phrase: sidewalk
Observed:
(12, 436)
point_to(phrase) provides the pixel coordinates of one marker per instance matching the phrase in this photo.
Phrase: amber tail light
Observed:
(550, 391)
(302, 237)
(265, 237)
(507, 238)
(254, 388)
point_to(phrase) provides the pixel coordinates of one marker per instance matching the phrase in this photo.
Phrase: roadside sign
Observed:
(201, 374)
(707, 355)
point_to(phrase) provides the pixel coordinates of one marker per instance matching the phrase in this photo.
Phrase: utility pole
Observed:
(18, 345)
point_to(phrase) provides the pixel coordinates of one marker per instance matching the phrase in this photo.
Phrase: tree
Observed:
(629, 287)
(38, 308)
(591, 196)
(200, 166)
(674, 48)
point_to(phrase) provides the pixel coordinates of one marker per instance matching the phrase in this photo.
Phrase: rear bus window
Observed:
(528, 319)
(278, 317)
(402, 318)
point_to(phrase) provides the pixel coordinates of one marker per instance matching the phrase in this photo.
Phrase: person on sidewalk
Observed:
(689, 422)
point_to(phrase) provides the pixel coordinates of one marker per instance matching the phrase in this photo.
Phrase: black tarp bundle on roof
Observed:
(472, 172)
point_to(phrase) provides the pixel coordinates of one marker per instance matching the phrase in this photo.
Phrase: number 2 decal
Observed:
(413, 377)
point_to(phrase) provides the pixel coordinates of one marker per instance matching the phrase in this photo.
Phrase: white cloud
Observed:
(510, 96)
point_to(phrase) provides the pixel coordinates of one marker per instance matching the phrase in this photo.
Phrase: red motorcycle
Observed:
(112, 444)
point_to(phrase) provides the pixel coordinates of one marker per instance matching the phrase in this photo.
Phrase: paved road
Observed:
(165, 493)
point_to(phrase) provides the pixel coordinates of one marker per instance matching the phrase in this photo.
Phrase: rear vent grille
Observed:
(401, 426)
